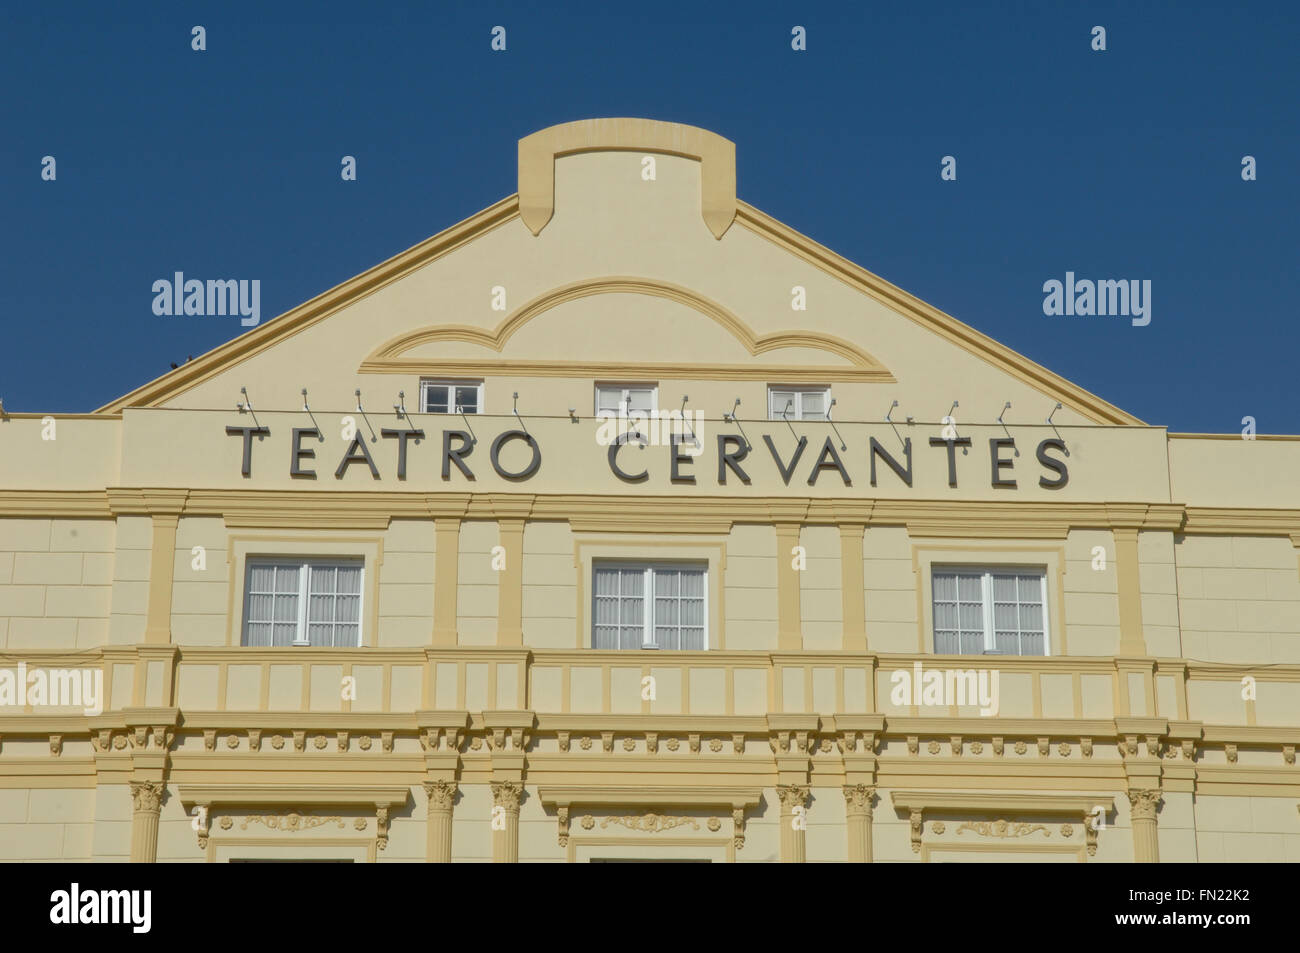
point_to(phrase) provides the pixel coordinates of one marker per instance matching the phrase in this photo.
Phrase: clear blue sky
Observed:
(225, 163)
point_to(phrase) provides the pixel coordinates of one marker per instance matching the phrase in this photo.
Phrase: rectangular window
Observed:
(649, 606)
(302, 602)
(614, 400)
(990, 611)
(798, 403)
(451, 397)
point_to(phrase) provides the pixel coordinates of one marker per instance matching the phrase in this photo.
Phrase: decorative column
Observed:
(1146, 847)
(793, 822)
(505, 821)
(146, 797)
(858, 799)
(442, 794)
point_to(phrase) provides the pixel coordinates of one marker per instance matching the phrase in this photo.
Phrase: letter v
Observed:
(786, 472)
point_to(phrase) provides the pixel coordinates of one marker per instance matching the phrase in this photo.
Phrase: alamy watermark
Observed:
(213, 298)
(1103, 298)
(944, 688)
(53, 688)
(659, 428)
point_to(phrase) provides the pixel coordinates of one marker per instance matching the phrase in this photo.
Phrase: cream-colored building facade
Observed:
(323, 635)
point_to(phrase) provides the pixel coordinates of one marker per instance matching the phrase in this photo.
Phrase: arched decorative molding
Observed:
(389, 357)
(716, 155)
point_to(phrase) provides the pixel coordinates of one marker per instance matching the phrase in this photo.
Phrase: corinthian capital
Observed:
(858, 797)
(1144, 804)
(147, 795)
(507, 794)
(441, 794)
(792, 796)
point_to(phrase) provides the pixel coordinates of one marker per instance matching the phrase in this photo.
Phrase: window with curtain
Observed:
(649, 606)
(303, 602)
(990, 611)
(798, 403)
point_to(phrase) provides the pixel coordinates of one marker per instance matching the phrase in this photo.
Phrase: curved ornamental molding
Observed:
(389, 357)
(716, 155)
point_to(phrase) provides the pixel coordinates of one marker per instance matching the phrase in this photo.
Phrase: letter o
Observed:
(527, 471)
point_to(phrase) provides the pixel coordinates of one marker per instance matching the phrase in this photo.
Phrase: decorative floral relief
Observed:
(1021, 747)
(585, 743)
(588, 822)
(933, 747)
(290, 821)
(1067, 830)
(277, 742)
(629, 744)
(977, 747)
(673, 744)
(364, 742)
(715, 745)
(232, 741)
(714, 824)
(1064, 749)
(320, 742)
(938, 827)
(359, 823)
(1003, 828)
(651, 823)
(477, 744)
(226, 823)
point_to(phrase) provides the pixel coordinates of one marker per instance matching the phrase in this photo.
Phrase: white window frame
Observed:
(647, 599)
(304, 564)
(796, 412)
(986, 596)
(426, 383)
(626, 387)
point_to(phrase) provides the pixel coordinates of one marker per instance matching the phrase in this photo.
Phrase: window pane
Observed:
(609, 400)
(814, 405)
(467, 399)
(946, 642)
(945, 587)
(436, 397)
(641, 399)
(606, 637)
(782, 401)
(692, 639)
(972, 643)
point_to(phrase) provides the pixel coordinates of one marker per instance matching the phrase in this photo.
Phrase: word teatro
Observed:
(733, 456)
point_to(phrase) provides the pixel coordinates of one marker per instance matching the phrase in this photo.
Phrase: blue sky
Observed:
(225, 163)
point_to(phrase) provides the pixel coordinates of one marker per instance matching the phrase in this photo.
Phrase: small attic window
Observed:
(451, 397)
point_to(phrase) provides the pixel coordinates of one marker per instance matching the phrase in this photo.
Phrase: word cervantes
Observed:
(733, 457)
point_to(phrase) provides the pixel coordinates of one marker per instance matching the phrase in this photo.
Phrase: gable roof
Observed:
(718, 202)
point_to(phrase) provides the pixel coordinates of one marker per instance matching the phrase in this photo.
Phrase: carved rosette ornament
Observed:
(441, 794)
(1144, 804)
(146, 796)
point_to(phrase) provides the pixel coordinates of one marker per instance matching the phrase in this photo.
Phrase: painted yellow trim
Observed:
(716, 155)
